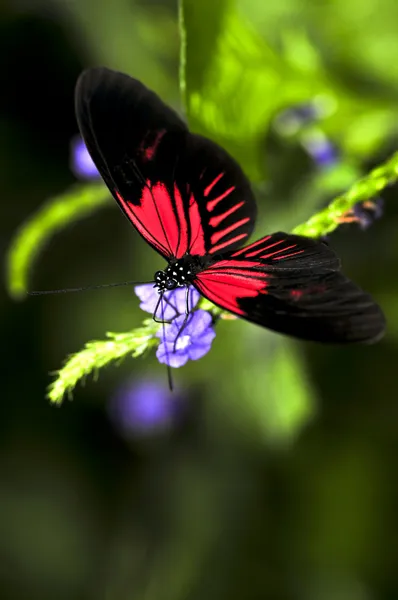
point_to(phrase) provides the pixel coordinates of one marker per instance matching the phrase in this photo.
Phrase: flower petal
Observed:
(166, 356)
(179, 299)
(196, 351)
(149, 297)
(146, 293)
(198, 323)
(81, 162)
(173, 304)
(169, 332)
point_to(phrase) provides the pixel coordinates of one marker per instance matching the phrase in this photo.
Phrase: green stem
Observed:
(98, 354)
(77, 203)
(370, 186)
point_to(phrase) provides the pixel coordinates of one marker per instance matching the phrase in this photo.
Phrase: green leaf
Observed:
(229, 79)
(78, 202)
(234, 83)
(270, 375)
(117, 36)
(282, 397)
(204, 22)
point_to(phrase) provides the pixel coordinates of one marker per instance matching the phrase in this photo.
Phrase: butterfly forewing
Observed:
(182, 192)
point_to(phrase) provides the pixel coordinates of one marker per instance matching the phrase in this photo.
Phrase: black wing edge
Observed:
(339, 313)
(112, 112)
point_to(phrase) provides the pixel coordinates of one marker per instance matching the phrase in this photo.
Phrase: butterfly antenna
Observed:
(87, 288)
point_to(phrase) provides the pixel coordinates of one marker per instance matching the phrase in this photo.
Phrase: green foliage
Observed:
(126, 31)
(234, 84)
(281, 397)
(78, 202)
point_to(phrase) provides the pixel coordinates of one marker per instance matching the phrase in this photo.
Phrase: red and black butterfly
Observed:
(192, 203)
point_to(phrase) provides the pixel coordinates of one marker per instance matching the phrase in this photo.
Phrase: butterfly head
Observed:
(177, 274)
(164, 282)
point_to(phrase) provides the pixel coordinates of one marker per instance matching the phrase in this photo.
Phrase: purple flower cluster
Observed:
(185, 340)
(187, 334)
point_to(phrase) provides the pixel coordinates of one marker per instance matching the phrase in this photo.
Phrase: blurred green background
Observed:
(277, 477)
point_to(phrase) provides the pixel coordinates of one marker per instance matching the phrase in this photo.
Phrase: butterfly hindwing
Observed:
(293, 285)
(182, 192)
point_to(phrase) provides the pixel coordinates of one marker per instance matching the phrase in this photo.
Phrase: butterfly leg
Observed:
(187, 313)
(169, 376)
(167, 301)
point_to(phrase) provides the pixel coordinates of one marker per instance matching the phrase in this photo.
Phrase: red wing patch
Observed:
(148, 147)
(228, 282)
(159, 218)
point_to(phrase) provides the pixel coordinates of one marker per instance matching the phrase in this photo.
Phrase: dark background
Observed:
(277, 479)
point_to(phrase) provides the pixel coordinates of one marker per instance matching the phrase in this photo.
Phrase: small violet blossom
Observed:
(291, 120)
(298, 117)
(185, 340)
(321, 150)
(81, 162)
(143, 407)
(173, 303)
(365, 213)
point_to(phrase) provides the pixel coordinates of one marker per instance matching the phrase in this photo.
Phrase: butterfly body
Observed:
(190, 200)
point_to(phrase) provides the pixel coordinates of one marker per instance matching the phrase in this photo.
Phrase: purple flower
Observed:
(173, 303)
(320, 149)
(296, 118)
(182, 342)
(184, 338)
(81, 162)
(145, 406)
(365, 213)
(291, 120)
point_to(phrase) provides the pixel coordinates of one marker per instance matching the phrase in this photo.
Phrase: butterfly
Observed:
(190, 200)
